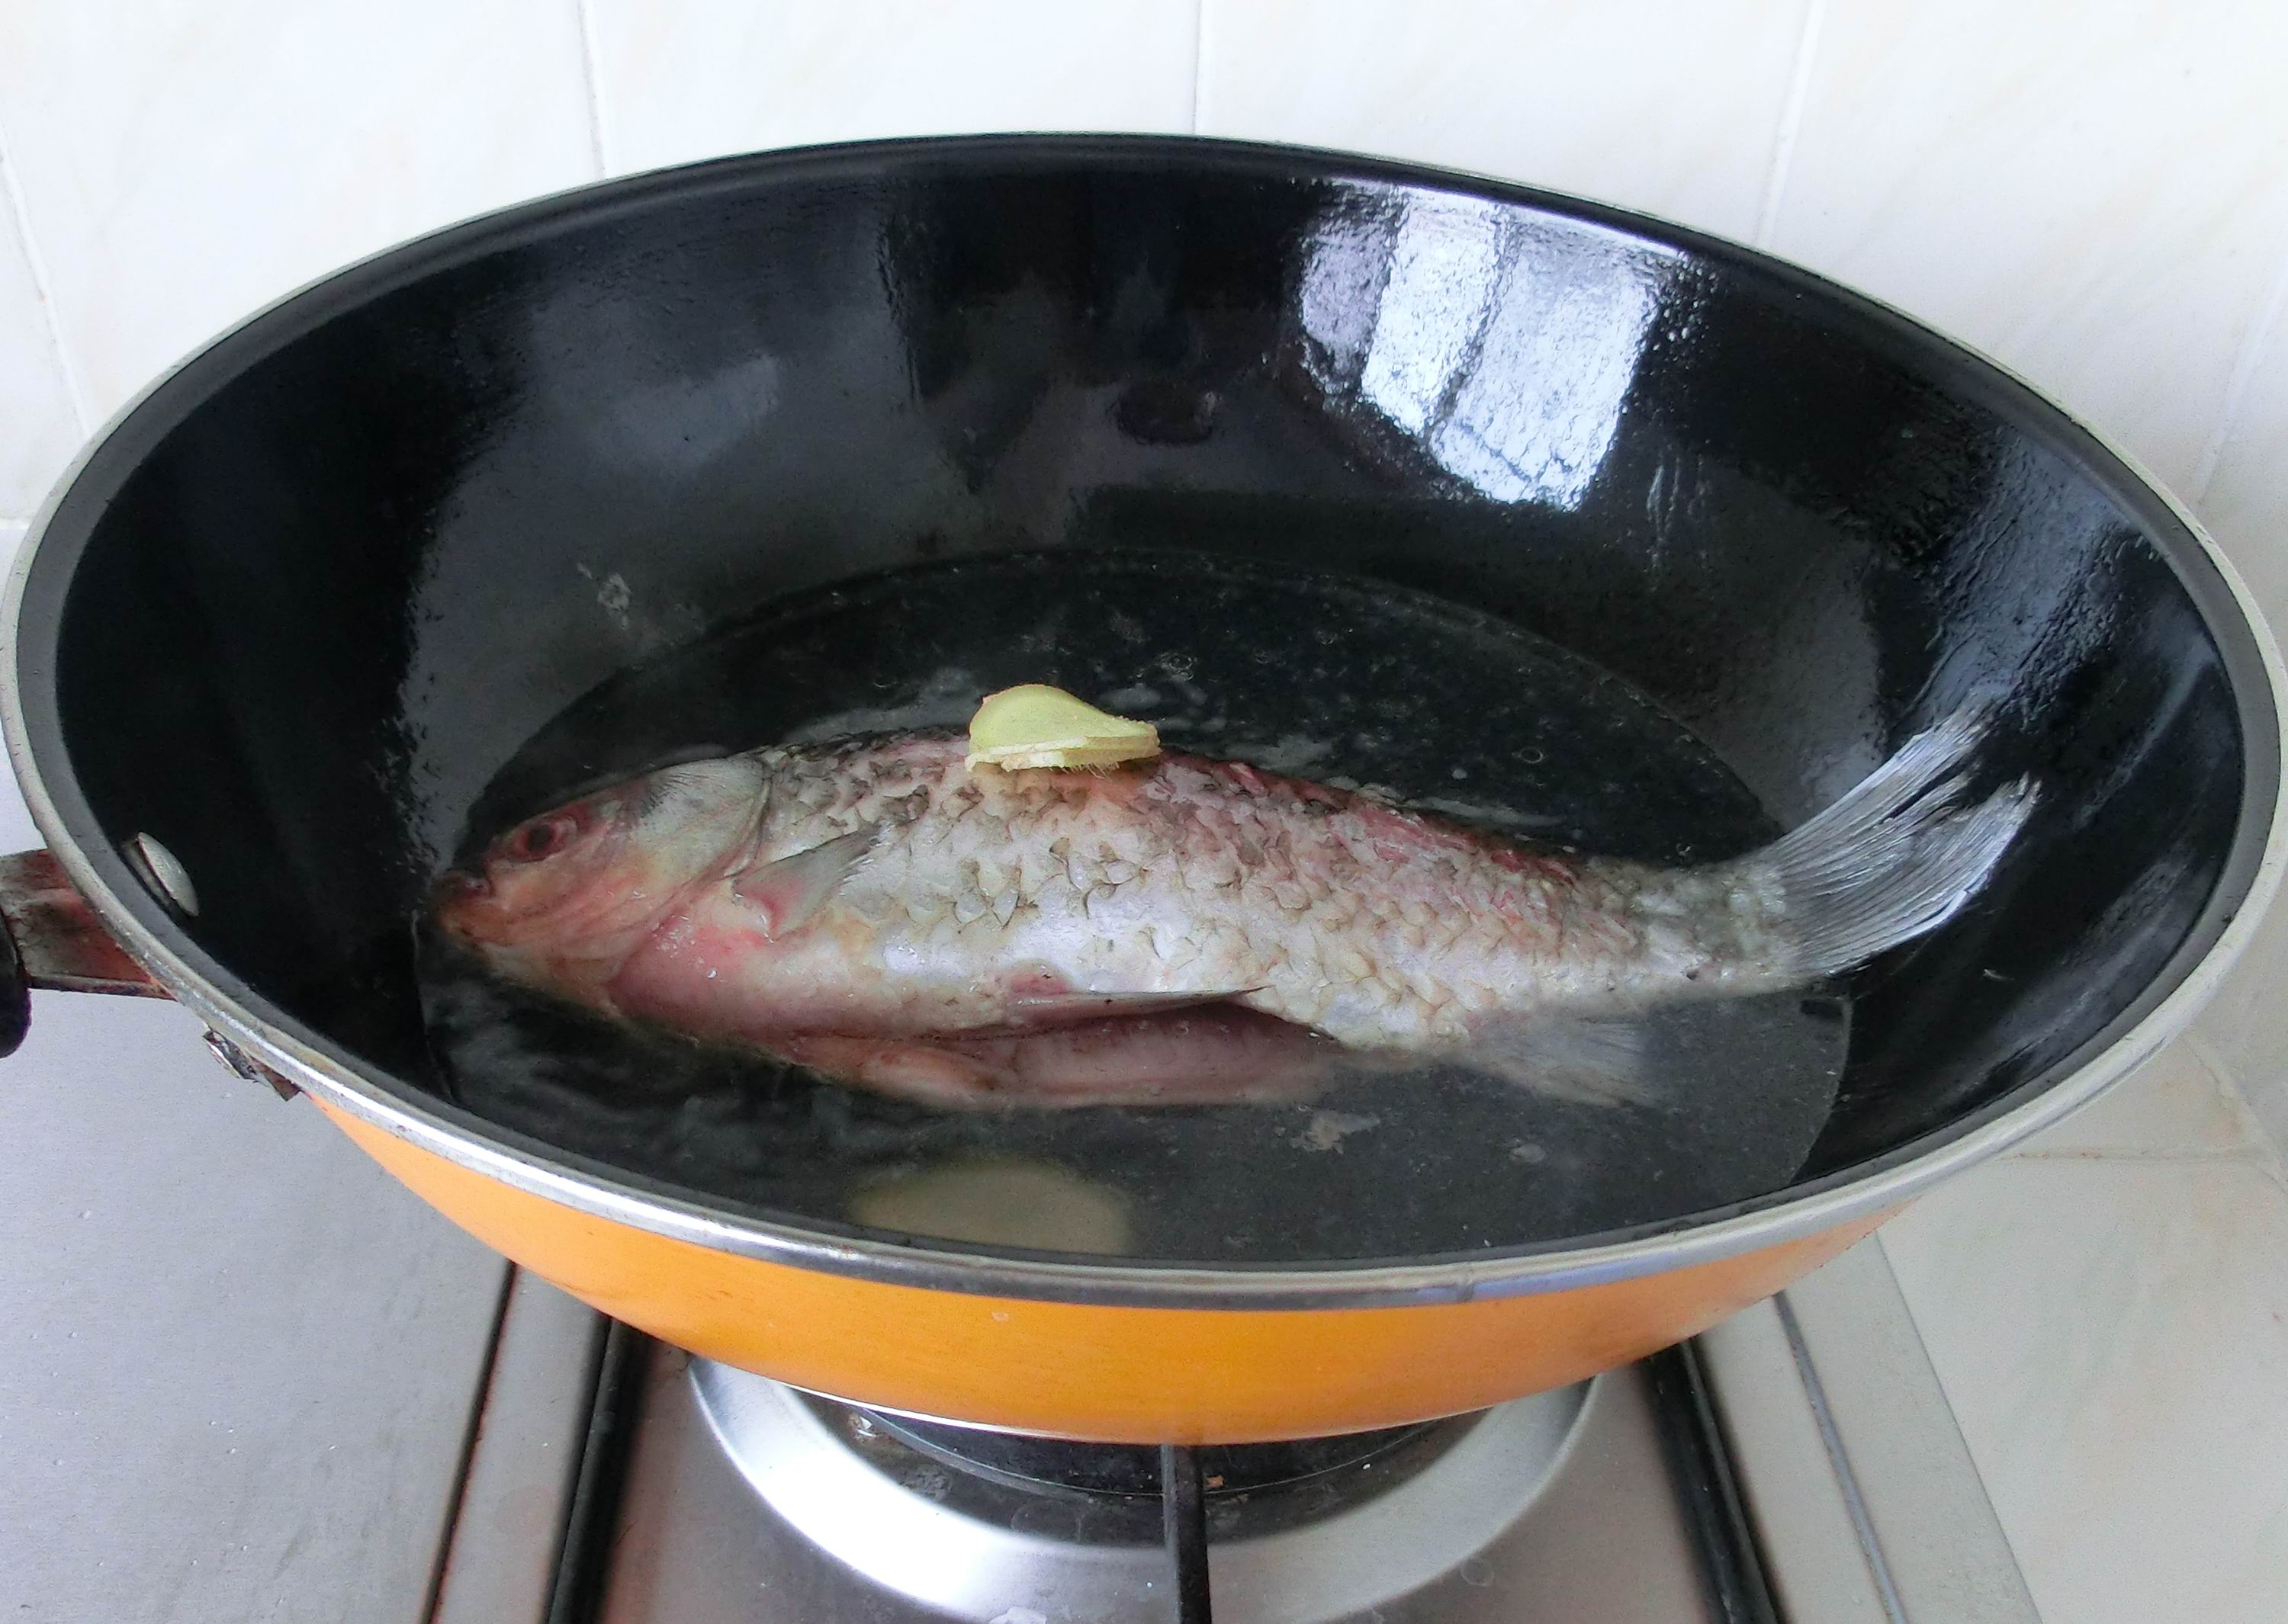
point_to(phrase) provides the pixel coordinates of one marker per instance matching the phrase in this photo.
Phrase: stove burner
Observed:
(1182, 1481)
(982, 1525)
(1135, 1469)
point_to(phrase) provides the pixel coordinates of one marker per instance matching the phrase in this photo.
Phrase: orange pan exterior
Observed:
(1110, 1371)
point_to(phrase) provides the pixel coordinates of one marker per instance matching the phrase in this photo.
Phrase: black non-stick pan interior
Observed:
(298, 615)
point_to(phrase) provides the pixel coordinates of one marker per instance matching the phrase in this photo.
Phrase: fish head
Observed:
(562, 898)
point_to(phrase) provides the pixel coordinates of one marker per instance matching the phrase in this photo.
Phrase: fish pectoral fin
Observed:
(790, 892)
(915, 1069)
(1061, 1009)
(1589, 1062)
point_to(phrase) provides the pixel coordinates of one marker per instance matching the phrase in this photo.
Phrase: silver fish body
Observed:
(881, 910)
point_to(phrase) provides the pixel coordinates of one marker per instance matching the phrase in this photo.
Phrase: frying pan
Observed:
(295, 610)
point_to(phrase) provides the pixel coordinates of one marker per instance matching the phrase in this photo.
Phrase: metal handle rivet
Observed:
(162, 872)
(240, 1064)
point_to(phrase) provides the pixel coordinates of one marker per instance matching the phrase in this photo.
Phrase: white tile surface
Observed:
(2247, 1026)
(38, 427)
(236, 1360)
(2094, 195)
(1676, 109)
(16, 831)
(698, 80)
(2174, 1106)
(2245, 508)
(183, 164)
(2113, 1336)
(2245, 502)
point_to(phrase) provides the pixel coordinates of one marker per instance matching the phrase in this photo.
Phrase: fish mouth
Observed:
(453, 898)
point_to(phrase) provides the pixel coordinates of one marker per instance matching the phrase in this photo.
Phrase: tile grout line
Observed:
(456, 1492)
(2237, 381)
(20, 210)
(2274, 1156)
(2253, 1155)
(584, 24)
(1806, 52)
(1199, 65)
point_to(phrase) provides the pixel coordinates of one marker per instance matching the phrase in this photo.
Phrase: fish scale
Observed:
(1330, 910)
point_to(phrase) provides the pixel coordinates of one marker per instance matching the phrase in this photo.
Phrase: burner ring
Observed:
(975, 1542)
(1133, 1469)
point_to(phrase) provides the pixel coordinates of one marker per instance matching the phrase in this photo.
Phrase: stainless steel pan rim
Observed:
(212, 995)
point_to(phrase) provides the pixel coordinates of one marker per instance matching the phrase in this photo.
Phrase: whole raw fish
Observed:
(1180, 929)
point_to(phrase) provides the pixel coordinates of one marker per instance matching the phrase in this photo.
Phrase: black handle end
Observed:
(15, 995)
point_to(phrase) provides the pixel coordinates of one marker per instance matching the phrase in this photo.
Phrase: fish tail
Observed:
(1896, 857)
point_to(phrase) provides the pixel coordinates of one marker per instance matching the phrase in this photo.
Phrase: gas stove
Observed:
(1796, 1463)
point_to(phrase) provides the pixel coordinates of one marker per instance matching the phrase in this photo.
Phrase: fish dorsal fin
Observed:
(790, 891)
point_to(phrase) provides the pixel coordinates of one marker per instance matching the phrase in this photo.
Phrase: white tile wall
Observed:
(183, 164)
(16, 831)
(2245, 505)
(1674, 109)
(2095, 193)
(2246, 1027)
(682, 81)
(2245, 498)
(38, 424)
(2178, 1103)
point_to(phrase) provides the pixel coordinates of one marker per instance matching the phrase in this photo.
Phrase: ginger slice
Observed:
(1036, 725)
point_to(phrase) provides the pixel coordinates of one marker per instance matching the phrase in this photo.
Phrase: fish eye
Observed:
(528, 843)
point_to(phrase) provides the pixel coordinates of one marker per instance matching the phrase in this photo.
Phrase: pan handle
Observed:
(50, 938)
